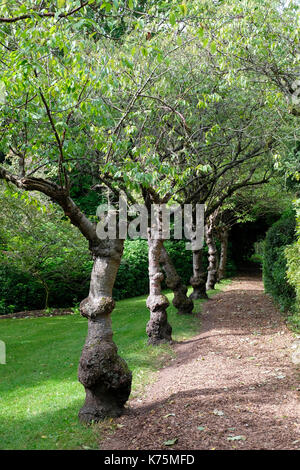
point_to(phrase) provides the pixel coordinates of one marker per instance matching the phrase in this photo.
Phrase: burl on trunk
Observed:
(181, 302)
(105, 375)
(158, 329)
(212, 274)
(198, 280)
(223, 237)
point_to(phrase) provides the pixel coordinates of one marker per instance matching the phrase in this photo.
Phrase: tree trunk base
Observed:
(153, 341)
(181, 302)
(99, 404)
(106, 379)
(159, 332)
(158, 329)
(212, 280)
(184, 304)
(199, 288)
(198, 294)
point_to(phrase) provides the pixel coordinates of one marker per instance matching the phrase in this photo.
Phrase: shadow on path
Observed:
(231, 386)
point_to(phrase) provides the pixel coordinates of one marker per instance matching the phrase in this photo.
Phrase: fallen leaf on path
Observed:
(171, 442)
(218, 413)
(236, 438)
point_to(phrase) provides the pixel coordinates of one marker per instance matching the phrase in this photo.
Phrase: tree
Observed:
(182, 128)
(174, 282)
(58, 119)
(48, 107)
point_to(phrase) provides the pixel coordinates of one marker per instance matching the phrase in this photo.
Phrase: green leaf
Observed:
(61, 3)
(171, 442)
(213, 47)
(172, 19)
(183, 8)
(200, 32)
(2, 93)
(144, 51)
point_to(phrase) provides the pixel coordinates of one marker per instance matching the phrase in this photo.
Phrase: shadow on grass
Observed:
(41, 371)
(51, 429)
(48, 349)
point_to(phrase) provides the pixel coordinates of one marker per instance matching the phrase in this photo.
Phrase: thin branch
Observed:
(61, 169)
(26, 16)
(58, 195)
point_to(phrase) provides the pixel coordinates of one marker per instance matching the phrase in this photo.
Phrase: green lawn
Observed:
(39, 392)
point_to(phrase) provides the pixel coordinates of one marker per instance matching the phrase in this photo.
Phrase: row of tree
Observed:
(165, 101)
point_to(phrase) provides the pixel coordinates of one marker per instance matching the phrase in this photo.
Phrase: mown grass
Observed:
(39, 392)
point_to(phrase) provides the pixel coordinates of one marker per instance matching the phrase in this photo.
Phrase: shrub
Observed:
(67, 274)
(132, 278)
(281, 234)
(292, 254)
(18, 290)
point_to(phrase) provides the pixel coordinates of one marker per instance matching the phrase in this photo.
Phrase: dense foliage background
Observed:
(278, 237)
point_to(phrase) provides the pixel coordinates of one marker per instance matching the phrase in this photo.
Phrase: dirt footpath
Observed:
(233, 386)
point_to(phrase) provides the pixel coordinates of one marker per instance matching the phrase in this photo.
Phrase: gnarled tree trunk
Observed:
(181, 302)
(103, 373)
(212, 272)
(105, 376)
(223, 237)
(158, 329)
(198, 280)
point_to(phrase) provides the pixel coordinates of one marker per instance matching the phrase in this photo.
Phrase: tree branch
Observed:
(26, 16)
(58, 195)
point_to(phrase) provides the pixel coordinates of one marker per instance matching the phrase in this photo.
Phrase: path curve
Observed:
(233, 386)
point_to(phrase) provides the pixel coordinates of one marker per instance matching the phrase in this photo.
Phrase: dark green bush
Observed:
(231, 268)
(132, 278)
(68, 280)
(181, 258)
(18, 290)
(292, 253)
(281, 234)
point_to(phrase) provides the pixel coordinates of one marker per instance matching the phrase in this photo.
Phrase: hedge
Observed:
(278, 237)
(292, 254)
(21, 291)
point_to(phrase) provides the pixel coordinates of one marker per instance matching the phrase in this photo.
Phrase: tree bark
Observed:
(223, 255)
(212, 272)
(198, 280)
(105, 376)
(181, 302)
(158, 329)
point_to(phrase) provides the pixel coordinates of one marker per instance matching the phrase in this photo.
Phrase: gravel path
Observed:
(233, 386)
